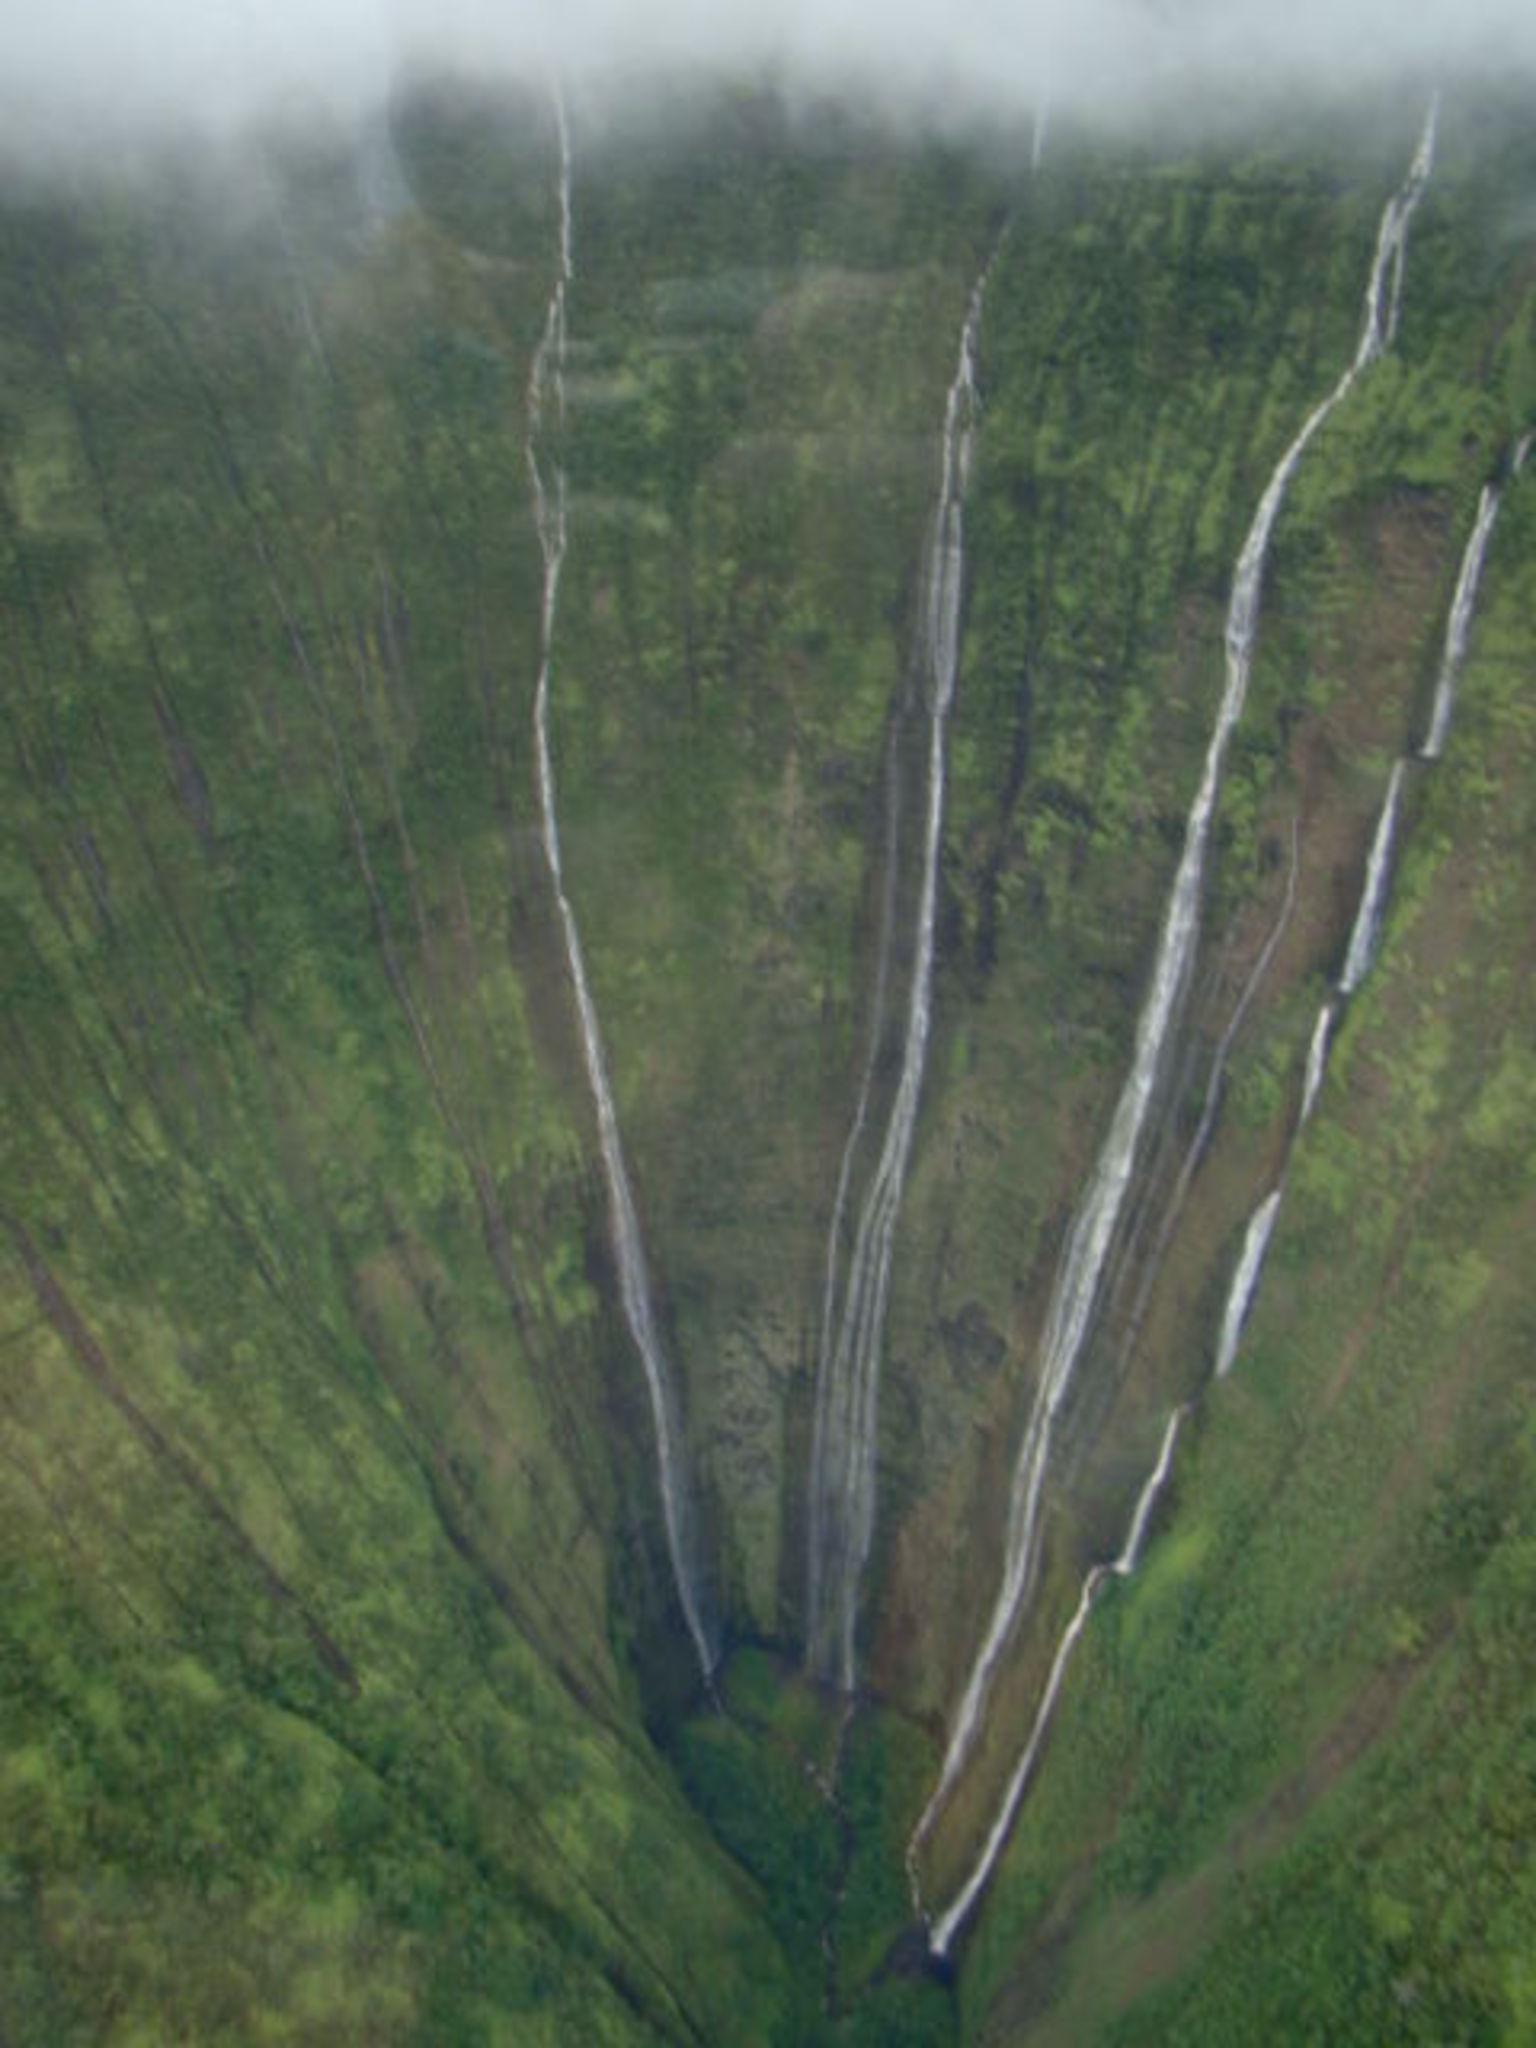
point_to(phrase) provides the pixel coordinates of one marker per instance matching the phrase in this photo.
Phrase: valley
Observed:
(663, 1160)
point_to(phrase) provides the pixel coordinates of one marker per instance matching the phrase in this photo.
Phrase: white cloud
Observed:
(75, 66)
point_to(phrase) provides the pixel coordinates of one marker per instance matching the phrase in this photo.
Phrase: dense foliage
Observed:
(343, 1691)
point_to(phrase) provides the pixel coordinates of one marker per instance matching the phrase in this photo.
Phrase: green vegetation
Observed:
(818, 1810)
(343, 1691)
(1299, 1744)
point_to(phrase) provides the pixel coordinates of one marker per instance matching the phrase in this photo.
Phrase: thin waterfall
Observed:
(877, 1012)
(1380, 332)
(1245, 1280)
(1459, 625)
(1366, 936)
(546, 395)
(952, 1919)
(1173, 1208)
(1075, 1294)
(1240, 1299)
(836, 1228)
(1460, 621)
(842, 1487)
(1317, 1058)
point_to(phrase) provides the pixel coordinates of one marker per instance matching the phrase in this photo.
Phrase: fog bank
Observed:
(75, 71)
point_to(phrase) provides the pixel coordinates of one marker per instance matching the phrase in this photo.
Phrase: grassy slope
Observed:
(310, 1509)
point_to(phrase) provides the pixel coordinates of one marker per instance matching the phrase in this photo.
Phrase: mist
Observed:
(78, 74)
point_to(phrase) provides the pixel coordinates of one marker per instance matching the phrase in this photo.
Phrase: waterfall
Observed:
(1245, 1280)
(835, 1229)
(1366, 936)
(1380, 332)
(947, 1926)
(842, 1485)
(1246, 1276)
(1459, 623)
(546, 392)
(1075, 1293)
(1173, 1209)
(1317, 1059)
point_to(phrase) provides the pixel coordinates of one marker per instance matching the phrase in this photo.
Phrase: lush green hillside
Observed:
(344, 1692)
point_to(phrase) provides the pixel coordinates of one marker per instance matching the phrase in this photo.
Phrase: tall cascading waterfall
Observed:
(842, 1484)
(1366, 936)
(1460, 622)
(954, 1916)
(1075, 1295)
(1241, 1295)
(546, 391)
(877, 1011)
(856, 1130)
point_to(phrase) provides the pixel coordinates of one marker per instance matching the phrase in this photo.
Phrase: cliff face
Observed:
(346, 1681)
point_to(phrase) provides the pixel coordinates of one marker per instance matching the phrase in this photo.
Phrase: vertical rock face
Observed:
(841, 1492)
(534, 634)
(1081, 1275)
(546, 397)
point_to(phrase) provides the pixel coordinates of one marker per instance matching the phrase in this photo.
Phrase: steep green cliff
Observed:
(344, 1690)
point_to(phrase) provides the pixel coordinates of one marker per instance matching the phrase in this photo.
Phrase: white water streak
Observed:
(1173, 1209)
(950, 1921)
(1245, 1280)
(850, 1150)
(1317, 1059)
(546, 388)
(842, 1488)
(1459, 624)
(1366, 936)
(1379, 333)
(1074, 1298)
